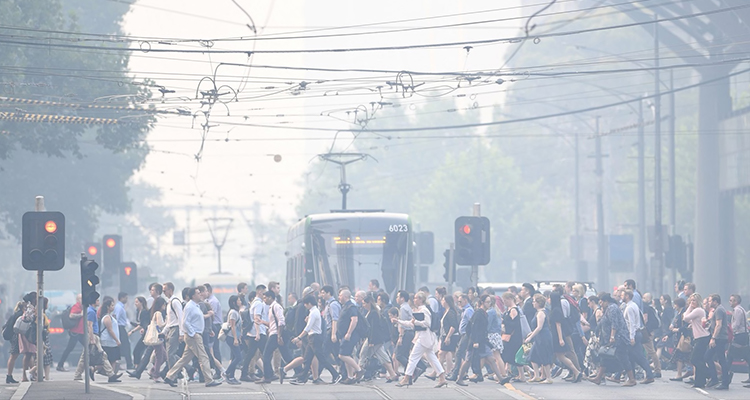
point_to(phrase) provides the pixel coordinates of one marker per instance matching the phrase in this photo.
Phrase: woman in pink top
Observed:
(694, 316)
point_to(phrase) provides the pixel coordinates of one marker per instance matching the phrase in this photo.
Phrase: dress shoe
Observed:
(722, 387)
(170, 382)
(134, 375)
(746, 380)
(712, 383)
(114, 378)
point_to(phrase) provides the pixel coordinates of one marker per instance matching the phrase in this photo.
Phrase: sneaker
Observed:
(298, 382)
(170, 382)
(214, 383)
(336, 379)
(319, 382)
(722, 387)
(114, 378)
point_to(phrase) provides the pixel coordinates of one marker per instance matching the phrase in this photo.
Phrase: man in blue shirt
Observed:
(192, 328)
(123, 324)
(216, 322)
(95, 345)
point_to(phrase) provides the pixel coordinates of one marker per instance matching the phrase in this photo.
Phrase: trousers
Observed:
(638, 356)
(417, 351)
(698, 359)
(193, 348)
(717, 353)
(316, 349)
(272, 344)
(172, 343)
(648, 345)
(74, 338)
(82, 361)
(125, 349)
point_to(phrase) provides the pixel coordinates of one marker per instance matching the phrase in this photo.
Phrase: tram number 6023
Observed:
(398, 228)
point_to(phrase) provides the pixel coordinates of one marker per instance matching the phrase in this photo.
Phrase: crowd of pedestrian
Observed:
(520, 335)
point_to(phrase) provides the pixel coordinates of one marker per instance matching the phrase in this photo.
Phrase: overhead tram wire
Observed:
(505, 122)
(381, 48)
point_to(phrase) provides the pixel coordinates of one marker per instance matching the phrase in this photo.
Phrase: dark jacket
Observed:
(450, 320)
(478, 327)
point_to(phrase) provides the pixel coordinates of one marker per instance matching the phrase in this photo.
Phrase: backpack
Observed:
(8, 330)
(653, 322)
(525, 328)
(434, 320)
(67, 322)
(363, 326)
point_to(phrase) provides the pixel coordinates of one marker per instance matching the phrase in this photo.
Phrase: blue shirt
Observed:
(637, 300)
(259, 308)
(466, 315)
(121, 315)
(332, 312)
(91, 316)
(193, 319)
(216, 306)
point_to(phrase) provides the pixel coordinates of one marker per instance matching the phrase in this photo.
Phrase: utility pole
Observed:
(581, 271)
(658, 269)
(672, 166)
(475, 268)
(39, 206)
(641, 266)
(218, 241)
(602, 269)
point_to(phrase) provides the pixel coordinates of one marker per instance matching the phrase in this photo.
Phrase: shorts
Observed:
(452, 344)
(347, 346)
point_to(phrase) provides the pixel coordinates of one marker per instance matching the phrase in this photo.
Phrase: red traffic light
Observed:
(50, 227)
(128, 270)
(111, 243)
(466, 229)
(92, 250)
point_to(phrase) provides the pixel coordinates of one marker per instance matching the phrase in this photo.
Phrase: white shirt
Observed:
(633, 318)
(313, 322)
(174, 313)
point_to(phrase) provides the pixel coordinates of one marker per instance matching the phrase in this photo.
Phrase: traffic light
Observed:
(89, 280)
(129, 278)
(93, 251)
(43, 241)
(111, 252)
(676, 256)
(472, 237)
(447, 265)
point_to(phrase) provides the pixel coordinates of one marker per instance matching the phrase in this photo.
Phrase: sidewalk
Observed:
(66, 390)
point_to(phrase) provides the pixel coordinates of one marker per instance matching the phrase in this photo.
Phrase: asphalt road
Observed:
(63, 387)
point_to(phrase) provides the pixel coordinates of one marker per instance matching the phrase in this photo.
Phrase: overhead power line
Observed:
(146, 47)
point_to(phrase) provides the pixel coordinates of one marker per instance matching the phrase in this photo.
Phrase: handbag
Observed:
(96, 357)
(685, 345)
(606, 352)
(21, 326)
(224, 331)
(522, 354)
(151, 337)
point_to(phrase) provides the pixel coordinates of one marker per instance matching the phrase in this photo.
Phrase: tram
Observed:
(349, 248)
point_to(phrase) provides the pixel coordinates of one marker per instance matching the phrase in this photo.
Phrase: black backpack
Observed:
(653, 322)
(8, 331)
(67, 322)
(363, 326)
(434, 320)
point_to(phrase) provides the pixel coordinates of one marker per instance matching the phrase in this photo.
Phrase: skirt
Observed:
(496, 342)
(542, 352)
(47, 360)
(25, 346)
(14, 349)
(452, 344)
(113, 353)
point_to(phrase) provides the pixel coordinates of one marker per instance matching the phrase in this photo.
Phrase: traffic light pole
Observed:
(39, 206)
(451, 277)
(85, 310)
(475, 268)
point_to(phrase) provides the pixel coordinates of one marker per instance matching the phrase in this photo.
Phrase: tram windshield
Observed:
(353, 250)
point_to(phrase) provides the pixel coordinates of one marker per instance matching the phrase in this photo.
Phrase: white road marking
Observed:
(21, 391)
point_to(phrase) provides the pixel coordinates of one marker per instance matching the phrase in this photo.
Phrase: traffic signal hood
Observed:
(448, 266)
(43, 241)
(89, 280)
(129, 278)
(472, 237)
